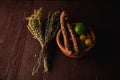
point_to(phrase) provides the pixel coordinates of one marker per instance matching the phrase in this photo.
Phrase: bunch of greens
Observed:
(44, 33)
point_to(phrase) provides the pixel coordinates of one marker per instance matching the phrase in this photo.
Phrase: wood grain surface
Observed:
(19, 51)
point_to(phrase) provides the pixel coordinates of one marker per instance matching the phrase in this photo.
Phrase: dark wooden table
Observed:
(18, 48)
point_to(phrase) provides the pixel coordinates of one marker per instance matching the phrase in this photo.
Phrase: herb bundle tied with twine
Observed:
(44, 33)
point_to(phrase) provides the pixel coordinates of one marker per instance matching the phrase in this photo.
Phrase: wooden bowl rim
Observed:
(65, 52)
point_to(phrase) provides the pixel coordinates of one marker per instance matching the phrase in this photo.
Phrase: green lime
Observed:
(79, 28)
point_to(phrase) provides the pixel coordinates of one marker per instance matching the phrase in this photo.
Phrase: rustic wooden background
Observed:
(18, 48)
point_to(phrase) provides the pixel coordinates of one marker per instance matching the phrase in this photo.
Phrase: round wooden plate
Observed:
(65, 52)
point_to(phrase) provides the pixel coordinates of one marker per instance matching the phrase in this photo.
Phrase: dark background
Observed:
(18, 48)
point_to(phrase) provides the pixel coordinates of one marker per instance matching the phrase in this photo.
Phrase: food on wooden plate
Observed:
(64, 31)
(79, 28)
(63, 24)
(88, 42)
(77, 38)
(82, 37)
(74, 40)
(85, 37)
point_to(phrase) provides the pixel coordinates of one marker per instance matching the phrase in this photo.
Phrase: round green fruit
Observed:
(79, 28)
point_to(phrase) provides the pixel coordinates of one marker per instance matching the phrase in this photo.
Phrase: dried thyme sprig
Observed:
(35, 26)
(37, 30)
(43, 34)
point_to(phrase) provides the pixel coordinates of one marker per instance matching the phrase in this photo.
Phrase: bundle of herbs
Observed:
(44, 33)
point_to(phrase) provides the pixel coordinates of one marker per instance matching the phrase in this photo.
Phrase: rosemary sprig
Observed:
(52, 26)
(44, 33)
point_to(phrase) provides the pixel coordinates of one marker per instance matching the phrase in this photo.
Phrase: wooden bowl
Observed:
(65, 52)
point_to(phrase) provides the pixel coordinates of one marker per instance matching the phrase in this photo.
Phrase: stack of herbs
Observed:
(44, 33)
